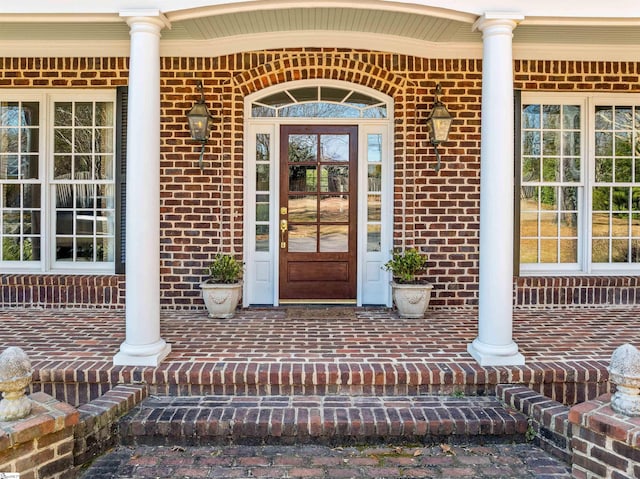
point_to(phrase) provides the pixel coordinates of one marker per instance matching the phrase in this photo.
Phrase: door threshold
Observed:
(318, 301)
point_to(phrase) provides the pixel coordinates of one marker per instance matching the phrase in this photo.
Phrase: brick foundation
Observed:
(69, 291)
(604, 443)
(576, 291)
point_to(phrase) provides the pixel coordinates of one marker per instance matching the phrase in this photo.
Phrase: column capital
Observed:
(146, 17)
(489, 20)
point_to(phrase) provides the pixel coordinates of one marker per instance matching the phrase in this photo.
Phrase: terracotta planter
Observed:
(221, 300)
(412, 300)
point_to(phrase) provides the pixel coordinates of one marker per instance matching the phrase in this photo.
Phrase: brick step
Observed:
(333, 420)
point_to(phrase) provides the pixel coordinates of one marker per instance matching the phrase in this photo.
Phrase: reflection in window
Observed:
(615, 195)
(319, 102)
(374, 196)
(551, 183)
(20, 189)
(84, 172)
(302, 239)
(334, 238)
(263, 187)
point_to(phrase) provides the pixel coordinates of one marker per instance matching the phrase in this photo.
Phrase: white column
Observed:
(494, 345)
(143, 345)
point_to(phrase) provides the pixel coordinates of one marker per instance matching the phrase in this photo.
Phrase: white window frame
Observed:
(588, 103)
(47, 262)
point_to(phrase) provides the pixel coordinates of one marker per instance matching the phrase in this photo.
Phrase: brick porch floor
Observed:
(320, 350)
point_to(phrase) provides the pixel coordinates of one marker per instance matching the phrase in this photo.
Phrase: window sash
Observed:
(101, 144)
(591, 186)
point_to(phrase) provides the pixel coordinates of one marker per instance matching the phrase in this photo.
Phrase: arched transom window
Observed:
(318, 102)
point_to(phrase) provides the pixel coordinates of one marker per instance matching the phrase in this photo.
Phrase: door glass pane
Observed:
(334, 238)
(303, 209)
(302, 239)
(374, 208)
(262, 147)
(373, 238)
(262, 177)
(262, 237)
(334, 208)
(303, 178)
(375, 177)
(334, 147)
(262, 211)
(334, 179)
(303, 148)
(374, 148)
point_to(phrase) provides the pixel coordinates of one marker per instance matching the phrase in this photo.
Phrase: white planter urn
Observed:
(412, 300)
(221, 299)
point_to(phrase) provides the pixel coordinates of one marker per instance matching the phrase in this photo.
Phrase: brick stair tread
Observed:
(199, 420)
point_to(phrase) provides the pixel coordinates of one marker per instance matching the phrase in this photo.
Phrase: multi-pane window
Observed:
(615, 194)
(20, 184)
(580, 184)
(551, 183)
(57, 154)
(83, 179)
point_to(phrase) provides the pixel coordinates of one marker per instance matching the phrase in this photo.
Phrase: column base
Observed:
(147, 355)
(493, 355)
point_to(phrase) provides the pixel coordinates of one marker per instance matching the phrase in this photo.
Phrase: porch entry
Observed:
(318, 194)
(318, 213)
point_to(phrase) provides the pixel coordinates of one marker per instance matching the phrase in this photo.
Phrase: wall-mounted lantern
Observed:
(200, 122)
(439, 124)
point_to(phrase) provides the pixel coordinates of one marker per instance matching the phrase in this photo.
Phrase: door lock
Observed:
(284, 226)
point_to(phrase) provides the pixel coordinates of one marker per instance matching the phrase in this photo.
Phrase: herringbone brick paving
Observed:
(495, 461)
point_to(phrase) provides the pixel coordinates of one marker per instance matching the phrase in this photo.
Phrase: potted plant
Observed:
(221, 291)
(410, 295)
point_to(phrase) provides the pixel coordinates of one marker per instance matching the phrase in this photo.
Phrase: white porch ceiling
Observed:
(208, 26)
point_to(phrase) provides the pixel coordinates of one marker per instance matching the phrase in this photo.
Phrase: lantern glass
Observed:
(199, 122)
(439, 123)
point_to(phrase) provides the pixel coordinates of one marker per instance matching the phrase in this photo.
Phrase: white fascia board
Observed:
(231, 45)
(61, 48)
(539, 8)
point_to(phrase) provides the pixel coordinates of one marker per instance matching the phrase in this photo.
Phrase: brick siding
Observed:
(202, 212)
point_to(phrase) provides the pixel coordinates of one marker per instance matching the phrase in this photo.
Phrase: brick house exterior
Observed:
(203, 212)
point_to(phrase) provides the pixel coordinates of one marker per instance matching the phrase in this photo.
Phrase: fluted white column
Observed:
(143, 345)
(494, 345)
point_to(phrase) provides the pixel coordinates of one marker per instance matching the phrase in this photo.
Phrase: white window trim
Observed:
(47, 263)
(588, 102)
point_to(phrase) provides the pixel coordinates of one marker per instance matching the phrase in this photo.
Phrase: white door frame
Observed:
(261, 267)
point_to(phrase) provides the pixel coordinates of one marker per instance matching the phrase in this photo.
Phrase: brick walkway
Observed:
(494, 461)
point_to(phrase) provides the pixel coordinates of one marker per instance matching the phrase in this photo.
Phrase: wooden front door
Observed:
(318, 204)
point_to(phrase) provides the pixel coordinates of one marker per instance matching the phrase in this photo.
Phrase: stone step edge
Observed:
(356, 420)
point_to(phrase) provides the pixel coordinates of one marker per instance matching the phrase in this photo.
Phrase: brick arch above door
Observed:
(349, 67)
